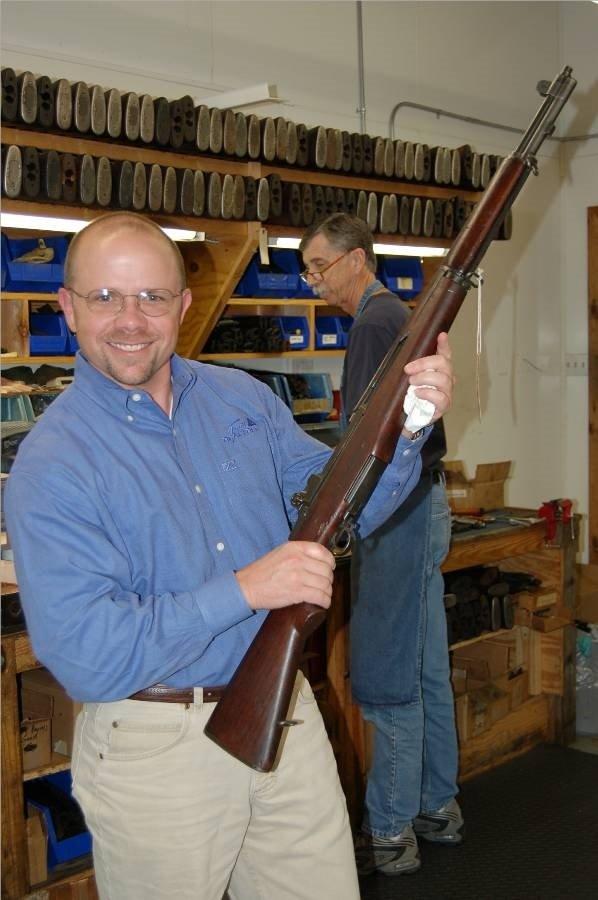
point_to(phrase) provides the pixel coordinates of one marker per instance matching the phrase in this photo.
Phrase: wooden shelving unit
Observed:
(214, 266)
(548, 714)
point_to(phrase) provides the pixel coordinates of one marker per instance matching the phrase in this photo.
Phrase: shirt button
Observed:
(174, 432)
(136, 397)
(220, 546)
(198, 489)
(130, 419)
(406, 452)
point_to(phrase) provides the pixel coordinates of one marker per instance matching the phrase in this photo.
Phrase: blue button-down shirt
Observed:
(128, 525)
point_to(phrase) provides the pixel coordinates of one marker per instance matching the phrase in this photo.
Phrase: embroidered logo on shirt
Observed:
(238, 429)
(229, 465)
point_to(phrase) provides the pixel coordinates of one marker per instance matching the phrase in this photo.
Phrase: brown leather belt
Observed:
(165, 694)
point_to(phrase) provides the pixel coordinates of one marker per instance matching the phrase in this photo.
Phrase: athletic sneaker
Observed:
(443, 826)
(391, 856)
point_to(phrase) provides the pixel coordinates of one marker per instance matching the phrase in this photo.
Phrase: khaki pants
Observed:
(174, 817)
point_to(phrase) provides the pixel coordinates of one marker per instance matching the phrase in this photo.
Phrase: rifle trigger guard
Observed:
(342, 540)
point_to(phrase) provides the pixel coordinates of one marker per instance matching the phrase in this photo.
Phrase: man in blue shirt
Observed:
(149, 512)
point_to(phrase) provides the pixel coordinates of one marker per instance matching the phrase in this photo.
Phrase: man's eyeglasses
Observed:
(319, 275)
(110, 302)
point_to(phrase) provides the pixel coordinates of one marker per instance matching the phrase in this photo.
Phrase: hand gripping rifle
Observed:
(249, 720)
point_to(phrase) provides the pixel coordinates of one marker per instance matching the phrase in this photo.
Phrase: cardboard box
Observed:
(479, 701)
(37, 845)
(485, 491)
(36, 729)
(587, 593)
(485, 706)
(497, 658)
(515, 685)
(64, 711)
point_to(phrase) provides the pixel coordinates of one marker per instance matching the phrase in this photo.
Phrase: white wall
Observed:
(481, 59)
(579, 40)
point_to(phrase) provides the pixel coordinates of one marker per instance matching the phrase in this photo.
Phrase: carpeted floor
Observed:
(531, 834)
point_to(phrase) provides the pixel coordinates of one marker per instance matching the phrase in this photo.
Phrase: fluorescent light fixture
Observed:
(183, 234)
(246, 96)
(284, 243)
(41, 223)
(292, 243)
(52, 223)
(407, 250)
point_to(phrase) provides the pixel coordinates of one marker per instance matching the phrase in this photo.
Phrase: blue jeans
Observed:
(415, 761)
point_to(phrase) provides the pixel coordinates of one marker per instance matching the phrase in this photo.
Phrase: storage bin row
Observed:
(280, 278)
(23, 269)
(276, 334)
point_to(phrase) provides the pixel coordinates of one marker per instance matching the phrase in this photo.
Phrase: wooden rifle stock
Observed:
(249, 720)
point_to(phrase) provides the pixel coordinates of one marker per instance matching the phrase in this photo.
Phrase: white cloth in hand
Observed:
(419, 412)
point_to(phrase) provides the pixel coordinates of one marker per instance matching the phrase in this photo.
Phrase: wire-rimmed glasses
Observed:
(110, 302)
(319, 275)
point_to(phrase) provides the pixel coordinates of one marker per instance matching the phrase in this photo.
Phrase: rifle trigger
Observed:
(286, 723)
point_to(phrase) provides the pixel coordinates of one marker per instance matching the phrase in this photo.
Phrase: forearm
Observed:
(395, 485)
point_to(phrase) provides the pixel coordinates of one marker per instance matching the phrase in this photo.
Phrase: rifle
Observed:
(249, 729)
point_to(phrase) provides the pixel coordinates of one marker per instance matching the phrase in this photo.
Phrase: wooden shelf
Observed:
(58, 763)
(472, 550)
(37, 360)
(276, 301)
(29, 295)
(67, 143)
(368, 183)
(480, 637)
(71, 875)
(287, 354)
(275, 230)
(216, 229)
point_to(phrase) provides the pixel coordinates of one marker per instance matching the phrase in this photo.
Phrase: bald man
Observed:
(149, 511)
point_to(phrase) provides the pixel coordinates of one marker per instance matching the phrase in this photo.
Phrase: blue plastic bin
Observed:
(279, 279)
(35, 276)
(277, 382)
(329, 334)
(346, 322)
(69, 848)
(313, 400)
(303, 289)
(4, 262)
(403, 275)
(295, 331)
(72, 343)
(48, 334)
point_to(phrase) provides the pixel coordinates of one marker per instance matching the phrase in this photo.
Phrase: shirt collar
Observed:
(113, 397)
(372, 288)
